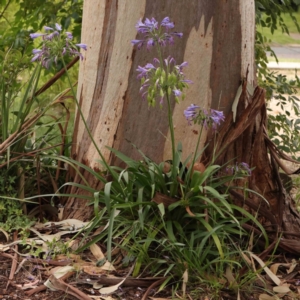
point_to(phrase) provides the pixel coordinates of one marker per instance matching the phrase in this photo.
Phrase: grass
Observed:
(280, 38)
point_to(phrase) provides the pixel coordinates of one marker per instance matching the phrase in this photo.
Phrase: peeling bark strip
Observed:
(109, 92)
(279, 217)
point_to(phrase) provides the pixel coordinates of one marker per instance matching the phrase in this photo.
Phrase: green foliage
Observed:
(198, 230)
(20, 17)
(283, 127)
(269, 14)
(28, 128)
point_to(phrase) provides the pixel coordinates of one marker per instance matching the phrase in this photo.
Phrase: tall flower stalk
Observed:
(162, 79)
(55, 46)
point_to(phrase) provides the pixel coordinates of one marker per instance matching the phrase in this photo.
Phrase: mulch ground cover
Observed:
(89, 276)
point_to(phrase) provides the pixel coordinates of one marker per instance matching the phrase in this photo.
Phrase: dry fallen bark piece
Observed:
(43, 287)
(68, 289)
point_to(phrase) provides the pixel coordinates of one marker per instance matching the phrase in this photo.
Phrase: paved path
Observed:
(286, 53)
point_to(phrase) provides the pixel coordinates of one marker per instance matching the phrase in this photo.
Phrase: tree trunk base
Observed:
(246, 140)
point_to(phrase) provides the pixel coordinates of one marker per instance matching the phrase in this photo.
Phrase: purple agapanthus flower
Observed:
(239, 168)
(55, 45)
(207, 118)
(147, 26)
(191, 112)
(245, 167)
(155, 33)
(145, 70)
(217, 117)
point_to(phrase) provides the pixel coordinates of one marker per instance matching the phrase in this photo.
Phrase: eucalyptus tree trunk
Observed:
(218, 43)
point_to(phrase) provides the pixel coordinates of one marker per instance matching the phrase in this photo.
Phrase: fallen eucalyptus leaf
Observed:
(267, 297)
(59, 272)
(111, 289)
(275, 279)
(282, 289)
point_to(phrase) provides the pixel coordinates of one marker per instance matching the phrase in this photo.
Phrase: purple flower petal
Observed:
(36, 51)
(58, 27)
(135, 42)
(177, 93)
(46, 28)
(51, 35)
(178, 34)
(149, 66)
(82, 46)
(187, 81)
(36, 35)
(150, 43)
(69, 35)
(166, 23)
(36, 57)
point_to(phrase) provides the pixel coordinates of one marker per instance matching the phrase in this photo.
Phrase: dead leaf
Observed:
(229, 276)
(275, 279)
(102, 297)
(267, 297)
(185, 278)
(69, 224)
(97, 252)
(67, 288)
(294, 264)
(111, 289)
(274, 267)
(92, 269)
(283, 289)
(58, 273)
(159, 298)
(51, 237)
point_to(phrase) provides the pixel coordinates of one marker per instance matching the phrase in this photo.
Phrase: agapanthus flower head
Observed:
(207, 118)
(155, 33)
(161, 80)
(212, 118)
(191, 112)
(55, 45)
(239, 169)
(217, 117)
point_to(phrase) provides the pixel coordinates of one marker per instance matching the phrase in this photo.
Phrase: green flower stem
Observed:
(84, 121)
(189, 175)
(171, 126)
